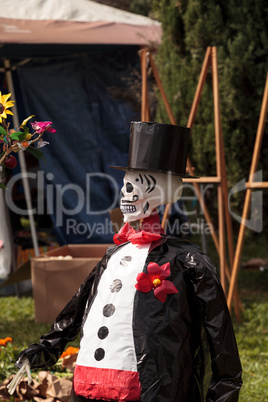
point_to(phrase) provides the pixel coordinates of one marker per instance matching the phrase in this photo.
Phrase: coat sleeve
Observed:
(65, 328)
(226, 368)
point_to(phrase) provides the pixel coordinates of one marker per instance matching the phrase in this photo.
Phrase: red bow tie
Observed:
(127, 233)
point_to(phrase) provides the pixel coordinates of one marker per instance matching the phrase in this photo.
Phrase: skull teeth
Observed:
(128, 208)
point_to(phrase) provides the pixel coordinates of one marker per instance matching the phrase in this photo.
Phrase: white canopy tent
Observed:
(66, 22)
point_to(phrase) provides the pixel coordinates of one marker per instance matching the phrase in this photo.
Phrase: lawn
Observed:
(17, 322)
(252, 335)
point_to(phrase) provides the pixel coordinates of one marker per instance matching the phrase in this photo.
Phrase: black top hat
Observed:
(158, 147)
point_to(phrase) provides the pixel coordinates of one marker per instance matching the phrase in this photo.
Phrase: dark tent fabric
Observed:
(79, 95)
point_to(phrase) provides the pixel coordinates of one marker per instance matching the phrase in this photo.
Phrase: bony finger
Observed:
(28, 372)
(13, 384)
(13, 381)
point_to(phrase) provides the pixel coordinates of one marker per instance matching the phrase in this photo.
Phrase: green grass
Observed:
(17, 321)
(252, 335)
(252, 331)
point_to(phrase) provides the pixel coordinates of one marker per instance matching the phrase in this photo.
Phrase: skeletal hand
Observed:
(25, 369)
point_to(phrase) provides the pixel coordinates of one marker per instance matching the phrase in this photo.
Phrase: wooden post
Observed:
(224, 187)
(257, 185)
(161, 89)
(144, 88)
(253, 168)
(199, 88)
(218, 135)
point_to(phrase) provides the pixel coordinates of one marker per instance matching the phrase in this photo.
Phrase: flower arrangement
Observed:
(18, 139)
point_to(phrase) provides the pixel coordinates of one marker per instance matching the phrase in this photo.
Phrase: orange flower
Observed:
(69, 351)
(25, 144)
(3, 342)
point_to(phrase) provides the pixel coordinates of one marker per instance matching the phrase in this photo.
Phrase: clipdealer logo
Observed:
(108, 228)
(58, 196)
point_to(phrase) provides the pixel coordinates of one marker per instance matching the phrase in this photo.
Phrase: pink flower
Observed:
(156, 279)
(41, 126)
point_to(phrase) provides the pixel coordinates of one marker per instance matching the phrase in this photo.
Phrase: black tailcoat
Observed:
(186, 349)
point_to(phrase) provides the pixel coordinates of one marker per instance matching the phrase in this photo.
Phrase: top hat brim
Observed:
(183, 175)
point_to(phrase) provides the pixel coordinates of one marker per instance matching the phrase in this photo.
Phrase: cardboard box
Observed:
(56, 279)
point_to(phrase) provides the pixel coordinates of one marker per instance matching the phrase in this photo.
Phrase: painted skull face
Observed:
(143, 191)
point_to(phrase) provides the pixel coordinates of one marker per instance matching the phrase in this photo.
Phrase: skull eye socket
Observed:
(129, 187)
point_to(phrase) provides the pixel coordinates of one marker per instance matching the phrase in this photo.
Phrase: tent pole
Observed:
(6, 218)
(25, 181)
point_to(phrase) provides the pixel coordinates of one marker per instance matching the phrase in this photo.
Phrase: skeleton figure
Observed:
(141, 194)
(152, 313)
(143, 191)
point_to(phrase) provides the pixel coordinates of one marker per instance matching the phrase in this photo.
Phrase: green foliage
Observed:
(2, 131)
(8, 355)
(142, 7)
(36, 153)
(17, 135)
(3, 186)
(239, 30)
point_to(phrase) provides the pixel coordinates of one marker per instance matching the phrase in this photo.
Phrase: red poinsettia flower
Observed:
(156, 280)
